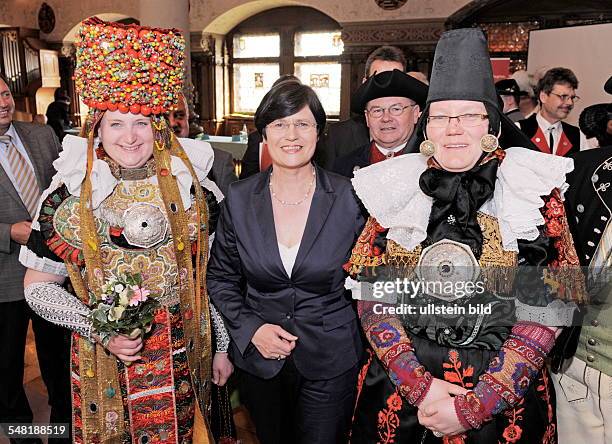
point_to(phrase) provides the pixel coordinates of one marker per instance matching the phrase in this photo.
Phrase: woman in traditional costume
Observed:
(131, 199)
(463, 212)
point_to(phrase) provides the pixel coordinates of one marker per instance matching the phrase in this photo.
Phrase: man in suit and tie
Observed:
(27, 152)
(557, 94)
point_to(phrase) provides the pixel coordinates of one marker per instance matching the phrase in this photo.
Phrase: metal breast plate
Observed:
(445, 267)
(145, 225)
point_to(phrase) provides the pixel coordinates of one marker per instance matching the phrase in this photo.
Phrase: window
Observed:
(324, 78)
(275, 43)
(251, 79)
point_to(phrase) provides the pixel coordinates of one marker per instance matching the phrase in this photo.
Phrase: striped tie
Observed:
(25, 180)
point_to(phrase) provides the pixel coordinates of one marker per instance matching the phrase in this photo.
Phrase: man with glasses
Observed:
(391, 102)
(346, 136)
(557, 95)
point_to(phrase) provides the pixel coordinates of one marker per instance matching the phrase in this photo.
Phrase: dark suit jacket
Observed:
(248, 283)
(43, 148)
(346, 165)
(222, 172)
(341, 139)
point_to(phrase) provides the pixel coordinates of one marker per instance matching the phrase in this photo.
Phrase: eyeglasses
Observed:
(282, 126)
(466, 120)
(566, 97)
(377, 112)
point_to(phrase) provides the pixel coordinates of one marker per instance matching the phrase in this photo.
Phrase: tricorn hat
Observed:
(462, 71)
(608, 86)
(388, 84)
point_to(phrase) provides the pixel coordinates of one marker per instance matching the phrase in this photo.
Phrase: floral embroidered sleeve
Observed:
(523, 353)
(509, 375)
(385, 332)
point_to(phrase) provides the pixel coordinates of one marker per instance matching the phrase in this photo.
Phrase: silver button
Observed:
(590, 358)
(580, 208)
(594, 322)
(592, 341)
(447, 331)
(595, 178)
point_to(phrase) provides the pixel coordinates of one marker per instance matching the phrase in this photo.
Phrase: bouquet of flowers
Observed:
(125, 308)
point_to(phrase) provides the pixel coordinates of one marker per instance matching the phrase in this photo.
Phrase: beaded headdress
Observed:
(129, 67)
(137, 69)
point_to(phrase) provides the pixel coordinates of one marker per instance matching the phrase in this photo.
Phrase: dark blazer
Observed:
(222, 172)
(43, 148)
(341, 139)
(249, 286)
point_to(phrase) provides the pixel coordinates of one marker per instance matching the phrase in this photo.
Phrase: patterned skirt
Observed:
(158, 400)
(383, 416)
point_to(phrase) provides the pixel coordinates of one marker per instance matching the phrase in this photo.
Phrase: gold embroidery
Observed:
(498, 266)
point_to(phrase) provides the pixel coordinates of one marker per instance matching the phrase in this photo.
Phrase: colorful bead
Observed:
(110, 392)
(113, 59)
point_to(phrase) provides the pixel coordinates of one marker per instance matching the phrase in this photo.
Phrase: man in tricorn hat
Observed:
(510, 93)
(391, 102)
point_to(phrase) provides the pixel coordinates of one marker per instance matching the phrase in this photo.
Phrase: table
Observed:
(225, 143)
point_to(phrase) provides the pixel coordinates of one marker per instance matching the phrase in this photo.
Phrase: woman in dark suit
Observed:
(275, 274)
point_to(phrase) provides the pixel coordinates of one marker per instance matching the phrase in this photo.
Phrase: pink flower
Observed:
(139, 295)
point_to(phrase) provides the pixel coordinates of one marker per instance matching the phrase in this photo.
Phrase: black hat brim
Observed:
(608, 86)
(389, 84)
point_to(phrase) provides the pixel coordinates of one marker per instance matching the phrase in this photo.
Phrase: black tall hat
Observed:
(388, 84)
(462, 71)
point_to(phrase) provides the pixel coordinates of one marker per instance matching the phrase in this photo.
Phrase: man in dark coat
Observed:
(391, 102)
(222, 172)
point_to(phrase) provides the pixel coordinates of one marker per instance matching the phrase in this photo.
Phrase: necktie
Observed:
(551, 140)
(25, 180)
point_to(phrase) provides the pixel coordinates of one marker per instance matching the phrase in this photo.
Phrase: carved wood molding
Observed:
(412, 33)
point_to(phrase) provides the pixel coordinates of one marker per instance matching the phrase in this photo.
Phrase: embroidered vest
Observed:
(568, 144)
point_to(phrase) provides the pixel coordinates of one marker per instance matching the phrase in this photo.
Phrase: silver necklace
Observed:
(299, 202)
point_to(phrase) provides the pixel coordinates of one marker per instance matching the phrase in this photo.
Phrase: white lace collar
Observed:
(390, 191)
(71, 164)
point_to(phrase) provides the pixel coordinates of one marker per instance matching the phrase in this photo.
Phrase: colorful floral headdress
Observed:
(129, 68)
